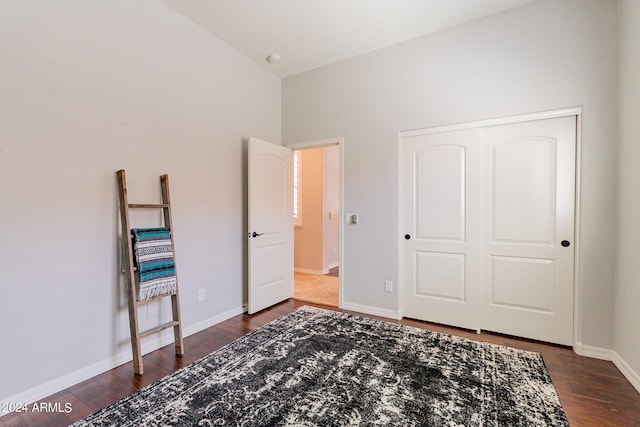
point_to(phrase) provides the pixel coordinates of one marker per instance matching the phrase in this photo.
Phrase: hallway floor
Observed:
(316, 288)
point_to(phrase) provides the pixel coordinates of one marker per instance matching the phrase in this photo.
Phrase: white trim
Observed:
(577, 289)
(211, 321)
(593, 352)
(575, 111)
(308, 271)
(297, 177)
(339, 141)
(612, 356)
(374, 311)
(51, 387)
(341, 227)
(326, 271)
(400, 232)
(627, 371)
(315, 144)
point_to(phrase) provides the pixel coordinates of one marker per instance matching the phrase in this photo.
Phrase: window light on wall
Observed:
(297, 188)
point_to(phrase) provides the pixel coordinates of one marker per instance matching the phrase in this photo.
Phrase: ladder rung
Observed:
(159, 328)
(147, 301)
(148, 205)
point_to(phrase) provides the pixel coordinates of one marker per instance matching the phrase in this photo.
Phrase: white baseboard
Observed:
(307, 271)
(611, 356)
(374, 311)
(627, 371)
(73, 378)
(211, 321)
(329, 267)
(593, 352)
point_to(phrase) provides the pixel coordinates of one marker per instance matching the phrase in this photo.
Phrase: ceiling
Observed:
(308, 34)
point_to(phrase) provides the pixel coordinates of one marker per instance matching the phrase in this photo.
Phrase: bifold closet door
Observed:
(487, 227)
(440, 197)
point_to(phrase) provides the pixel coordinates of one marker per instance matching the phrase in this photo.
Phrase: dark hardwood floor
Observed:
(593, 392)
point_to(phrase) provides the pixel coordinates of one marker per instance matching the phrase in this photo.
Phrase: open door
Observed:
(270, 180)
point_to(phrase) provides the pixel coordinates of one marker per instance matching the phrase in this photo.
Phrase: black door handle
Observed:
(565, 243)
(254, 234)
(407, 236)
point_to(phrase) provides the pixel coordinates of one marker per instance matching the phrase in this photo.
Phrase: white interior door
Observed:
(529, 213)
(441, 203)
(489, 213)
(270, 182)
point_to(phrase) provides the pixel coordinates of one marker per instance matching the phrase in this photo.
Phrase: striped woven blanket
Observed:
(153, 256)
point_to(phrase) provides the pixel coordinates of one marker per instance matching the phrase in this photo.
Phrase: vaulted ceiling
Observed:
(308, 34)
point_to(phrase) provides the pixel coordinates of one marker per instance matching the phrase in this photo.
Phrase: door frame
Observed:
(339, 141)
(573, 111)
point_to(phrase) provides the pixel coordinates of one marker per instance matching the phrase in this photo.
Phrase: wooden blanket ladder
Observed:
(130, 272)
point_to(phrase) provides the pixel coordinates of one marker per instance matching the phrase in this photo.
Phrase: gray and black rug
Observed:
(320, 367)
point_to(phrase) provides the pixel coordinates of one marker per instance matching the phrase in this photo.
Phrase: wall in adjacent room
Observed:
(330, 204)
(308, 236)
(546, 55)
(317, 239)
(87, 88)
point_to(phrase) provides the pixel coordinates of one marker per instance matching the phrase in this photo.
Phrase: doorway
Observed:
(317, 226)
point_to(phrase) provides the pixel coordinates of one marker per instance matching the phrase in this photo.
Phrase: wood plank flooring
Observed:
(593, 392)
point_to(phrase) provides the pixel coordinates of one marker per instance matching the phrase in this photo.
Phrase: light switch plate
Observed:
(351, 218)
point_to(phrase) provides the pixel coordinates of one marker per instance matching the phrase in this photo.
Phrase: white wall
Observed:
(87, 88)
(627, 302)
(543, 56)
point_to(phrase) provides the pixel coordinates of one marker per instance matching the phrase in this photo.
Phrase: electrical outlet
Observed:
(388, 285)
(201, 295)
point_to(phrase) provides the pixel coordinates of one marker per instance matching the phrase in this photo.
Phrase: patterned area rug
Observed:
(320, 367)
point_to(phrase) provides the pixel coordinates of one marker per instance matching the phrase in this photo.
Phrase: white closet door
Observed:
(529, 213)
(489, 216)
(441, 218)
